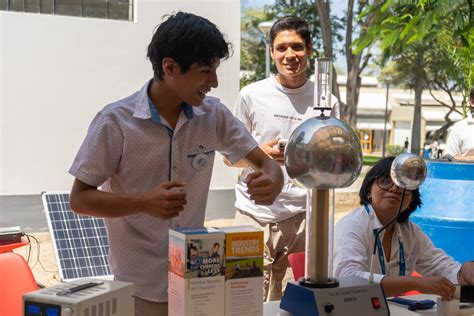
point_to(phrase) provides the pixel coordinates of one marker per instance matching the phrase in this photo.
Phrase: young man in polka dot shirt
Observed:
(146, 162)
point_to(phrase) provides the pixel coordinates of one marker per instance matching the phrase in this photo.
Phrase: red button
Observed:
(375, 303)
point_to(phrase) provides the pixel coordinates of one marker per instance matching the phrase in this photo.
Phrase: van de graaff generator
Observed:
(324, 153)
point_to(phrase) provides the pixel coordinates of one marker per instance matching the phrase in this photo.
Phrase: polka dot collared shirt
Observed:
(126, 150)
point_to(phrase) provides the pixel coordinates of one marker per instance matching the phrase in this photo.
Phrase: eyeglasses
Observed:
(385, 183)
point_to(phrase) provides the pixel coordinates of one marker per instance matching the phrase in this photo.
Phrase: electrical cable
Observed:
(38, 255)
(28, 250)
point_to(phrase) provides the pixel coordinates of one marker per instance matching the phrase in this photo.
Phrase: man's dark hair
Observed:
(288, 23)
(382, 169)
(471, 95)
(188, 39)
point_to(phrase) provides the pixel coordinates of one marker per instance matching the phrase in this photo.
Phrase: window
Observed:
(102, 9)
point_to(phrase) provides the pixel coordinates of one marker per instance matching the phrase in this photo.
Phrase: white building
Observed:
(371, 113)
(57, 72)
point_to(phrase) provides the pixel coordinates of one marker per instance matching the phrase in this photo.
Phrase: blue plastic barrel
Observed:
(447, 213)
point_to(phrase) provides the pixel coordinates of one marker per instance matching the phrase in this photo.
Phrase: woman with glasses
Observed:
(400, 249)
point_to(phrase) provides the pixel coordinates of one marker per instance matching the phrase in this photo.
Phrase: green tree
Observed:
(408, 30)
(252, 46)
(443, 75)
(356, 60)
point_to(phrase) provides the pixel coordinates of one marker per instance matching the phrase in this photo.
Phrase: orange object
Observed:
(10, 247)
(415, 274)
(16, 279)
(297, 262)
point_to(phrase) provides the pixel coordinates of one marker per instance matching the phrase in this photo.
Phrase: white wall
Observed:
(401, 132)
(56, 72)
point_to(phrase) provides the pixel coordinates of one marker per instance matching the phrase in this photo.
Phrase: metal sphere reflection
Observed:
(323, 153)
(408, 171)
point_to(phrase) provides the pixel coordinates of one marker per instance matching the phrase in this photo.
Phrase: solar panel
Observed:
(80, 242)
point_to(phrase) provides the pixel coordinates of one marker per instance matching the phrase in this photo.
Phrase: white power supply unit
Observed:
(83, 297)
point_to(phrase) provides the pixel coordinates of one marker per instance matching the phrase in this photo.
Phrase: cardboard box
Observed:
(196, 272)
(243, 271)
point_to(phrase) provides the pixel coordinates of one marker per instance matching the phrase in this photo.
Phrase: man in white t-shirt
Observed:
(460, 142)
(271, 109)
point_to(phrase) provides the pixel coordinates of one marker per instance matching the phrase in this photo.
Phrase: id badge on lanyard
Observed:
(381, 256)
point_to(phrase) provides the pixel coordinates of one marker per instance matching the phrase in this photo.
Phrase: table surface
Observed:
(273, 308)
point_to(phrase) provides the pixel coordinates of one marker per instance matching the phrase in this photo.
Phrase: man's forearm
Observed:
(87, 200)
(239, 164)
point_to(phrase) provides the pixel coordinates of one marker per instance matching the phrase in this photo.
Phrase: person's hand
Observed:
(436, 285)
(270, 149)
(262, 189)
(165, 201)
(466, 273)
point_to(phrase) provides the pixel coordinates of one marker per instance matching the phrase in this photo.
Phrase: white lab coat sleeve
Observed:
(434, 261)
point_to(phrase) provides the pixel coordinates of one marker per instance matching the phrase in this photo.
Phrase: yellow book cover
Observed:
(243, 252)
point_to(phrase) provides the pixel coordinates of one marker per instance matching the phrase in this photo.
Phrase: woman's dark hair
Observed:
(471, 95)
(382, 169)
(188, 39)
(291, 22)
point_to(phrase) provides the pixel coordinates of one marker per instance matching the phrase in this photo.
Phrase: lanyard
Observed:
(381, 256)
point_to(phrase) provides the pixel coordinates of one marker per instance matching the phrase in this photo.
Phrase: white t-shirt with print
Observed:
(269, 111)
(125, 151)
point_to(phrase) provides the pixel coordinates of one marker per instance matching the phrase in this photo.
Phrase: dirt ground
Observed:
(42, 258)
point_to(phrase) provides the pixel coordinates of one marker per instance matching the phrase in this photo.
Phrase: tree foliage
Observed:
(356, 61)
(430, 41)
(252, 47)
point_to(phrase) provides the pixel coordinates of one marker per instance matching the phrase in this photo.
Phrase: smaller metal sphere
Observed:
(323, 153)
(408, 171)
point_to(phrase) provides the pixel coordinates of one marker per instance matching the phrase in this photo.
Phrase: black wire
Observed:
(38, 250)
(28, 250)
(38, 255)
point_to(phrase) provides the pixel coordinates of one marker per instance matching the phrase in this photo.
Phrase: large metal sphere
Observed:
(408, 171)
(323, 153)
